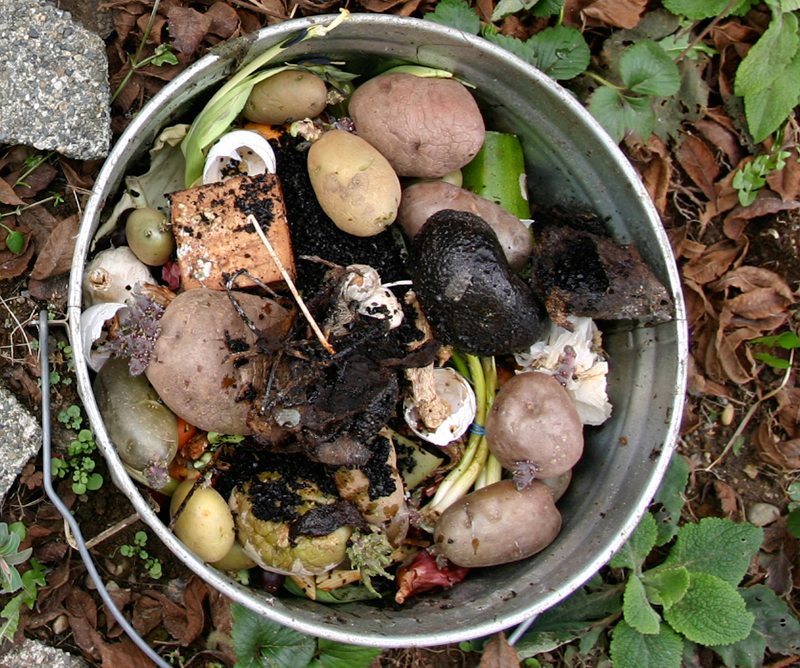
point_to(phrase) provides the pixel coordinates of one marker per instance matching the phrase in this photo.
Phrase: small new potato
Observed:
(150, 237)
(206, 523)
(354, 184)
(426, 127)
(291, 95)
(534, 428)
(498, 524)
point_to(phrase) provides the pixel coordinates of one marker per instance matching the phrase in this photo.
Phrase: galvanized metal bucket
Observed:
(570, 160)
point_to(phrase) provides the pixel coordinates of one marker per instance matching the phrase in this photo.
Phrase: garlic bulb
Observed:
(239, 153)
(574, 359)
(112, 275)
(93, 319)
(455, 390)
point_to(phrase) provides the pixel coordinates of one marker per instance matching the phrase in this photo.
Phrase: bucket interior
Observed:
(570, 161)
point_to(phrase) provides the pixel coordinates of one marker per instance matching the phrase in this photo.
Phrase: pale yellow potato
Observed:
(355, 185)
(206, 523)
(291, 95)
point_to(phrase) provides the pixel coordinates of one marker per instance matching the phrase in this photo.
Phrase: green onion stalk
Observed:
(226, 104)
(460, 480)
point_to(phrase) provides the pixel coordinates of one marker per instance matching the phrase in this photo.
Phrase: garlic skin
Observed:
(455, 390)
(574, 359)
(112, 275)
(92, 321)
(238, 153)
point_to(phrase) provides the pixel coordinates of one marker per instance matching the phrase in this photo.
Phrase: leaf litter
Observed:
(740, 267)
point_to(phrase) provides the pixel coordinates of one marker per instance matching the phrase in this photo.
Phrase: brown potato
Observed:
(192, 366)
(534, 428)
(498, 524)
(425, 127)
(421, 200)
(354, 184)
(287, 96)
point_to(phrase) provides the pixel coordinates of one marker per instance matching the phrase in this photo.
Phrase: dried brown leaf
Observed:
(37, 180)
(748, 277)
(732, 32)
(783, 455)
(187, 27)
(765, 204)
(124, 653)
(725, 195)
(147, 614)
(779, 574)
(499, 654)
(56, 256)
(728, 499)
(82, 614)
(727, 345)
(698, 307)
(758, 303)
(8, 196)
(193, 597)
(786, 182)
(713, 263)
(12, 265)
(224, 19)
(723, 138)
(619, 13)
(699, 162)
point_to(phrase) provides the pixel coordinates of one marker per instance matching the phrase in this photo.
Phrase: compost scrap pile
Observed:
(341, 386)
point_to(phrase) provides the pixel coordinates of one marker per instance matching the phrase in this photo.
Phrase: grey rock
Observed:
(763, 514)
(34, 654)
(54, 91)
(20, 439)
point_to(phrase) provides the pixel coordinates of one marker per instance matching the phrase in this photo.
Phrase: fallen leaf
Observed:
(764, 205)
(37, 180)
(8, 196)
(619, 13)
(723, 138)
(55, 258)
(731, 366)
(731, 33)
(187, 27)
(779, 574)
(699, 163)
(758, 303)
(193, 597)
(147, 614)
(82, 614)
(653, 161)
(747, 277)
(497, 653)
(714, 262)
(786, 182)
(11, 264)
(783, 455)
(224, 19)
(124, 653)
(728, 499)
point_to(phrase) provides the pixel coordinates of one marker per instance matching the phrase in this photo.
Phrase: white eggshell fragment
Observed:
(239, 153)
(453, 388)
(92, 321)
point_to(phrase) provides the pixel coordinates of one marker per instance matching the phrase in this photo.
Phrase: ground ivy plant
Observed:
(671, 589)
(17, 590)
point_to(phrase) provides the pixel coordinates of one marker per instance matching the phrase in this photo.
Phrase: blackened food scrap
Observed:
(252, 201)
(381, 479)
(584, 274)
(322, 520)
(315, 234)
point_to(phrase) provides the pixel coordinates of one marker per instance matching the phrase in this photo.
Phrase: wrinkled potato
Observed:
(534, 428)
(421, 200)
(355, 185)
(498, 524)
(193, 365)
(206, 523)
(287, 96)
(425, 127)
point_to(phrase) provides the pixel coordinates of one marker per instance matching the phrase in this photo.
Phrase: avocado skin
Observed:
(472, 299)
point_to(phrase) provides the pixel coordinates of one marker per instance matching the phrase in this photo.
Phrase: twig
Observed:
(707, 29)
(748, 416)
(786, 661)
(292, 288)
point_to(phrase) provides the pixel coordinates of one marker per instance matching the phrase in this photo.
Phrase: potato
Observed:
(150, 236)
(426, 127)
(291, 95)
(498, 524)
(235, 560)
(192, 366)
(206, 523)
(534, 428)
(355, 185)
(421, 200)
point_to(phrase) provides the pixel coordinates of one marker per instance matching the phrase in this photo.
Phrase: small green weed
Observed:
(262, 643)
(71, 417)
(79, 463)
(786, 341)
(24, 586)
(753, 176)
(137, 551)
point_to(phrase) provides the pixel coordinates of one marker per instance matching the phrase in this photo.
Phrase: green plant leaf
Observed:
(666, 586)
(775, 628)
(577, 616)
(261, 643)
(716, 546)
(706, 9)
(561, 52)
(637, 610)
(638, 546)
(774, 362)
(670, 499)
(507, 7)
(339, 655)
(789, 5)
(15, 242)
(10, 613)
(786, 340)
(769, 57)
(95, 482)
(793, 522)
(645, 68)
(631, 649)
(768, 108)
(547, 7)
(456, 14)
(712, 612)
(620, 114)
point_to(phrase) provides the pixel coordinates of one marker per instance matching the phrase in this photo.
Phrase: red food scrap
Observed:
(423, 574)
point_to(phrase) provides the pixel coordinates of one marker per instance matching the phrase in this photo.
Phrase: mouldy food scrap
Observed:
(215, 240)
